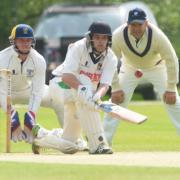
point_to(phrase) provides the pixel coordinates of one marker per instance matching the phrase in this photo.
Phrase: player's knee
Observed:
(118, 97)
(68, 147)
(69, 151)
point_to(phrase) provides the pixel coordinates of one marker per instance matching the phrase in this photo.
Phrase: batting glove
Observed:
(85, 93)
(17, 133)
(92, 102)
(29, 123)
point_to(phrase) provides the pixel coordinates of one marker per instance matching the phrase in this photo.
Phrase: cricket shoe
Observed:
(102, 149)
(38, 132)
(35, 148)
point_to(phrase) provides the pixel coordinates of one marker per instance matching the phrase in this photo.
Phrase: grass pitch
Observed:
(157, 134)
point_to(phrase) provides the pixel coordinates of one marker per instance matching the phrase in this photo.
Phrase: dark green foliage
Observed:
(28, 11)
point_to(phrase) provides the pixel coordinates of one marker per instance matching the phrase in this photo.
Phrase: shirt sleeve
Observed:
(3, 80)
(71, 63)
(108, 73)
(115, 82)
(168, 53)
(116, 43)
(3, 92)
(38, 83)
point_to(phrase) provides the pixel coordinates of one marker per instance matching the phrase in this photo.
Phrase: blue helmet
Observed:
(22, 31)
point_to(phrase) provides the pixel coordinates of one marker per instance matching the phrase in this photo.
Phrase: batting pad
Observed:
(91, 124)
(72, 127)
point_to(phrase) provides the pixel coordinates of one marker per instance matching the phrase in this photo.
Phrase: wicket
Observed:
(7, 74)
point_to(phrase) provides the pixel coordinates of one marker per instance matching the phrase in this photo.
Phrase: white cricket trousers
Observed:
(128, 82)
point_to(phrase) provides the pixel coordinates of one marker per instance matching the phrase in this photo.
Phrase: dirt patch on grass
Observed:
(155, 159)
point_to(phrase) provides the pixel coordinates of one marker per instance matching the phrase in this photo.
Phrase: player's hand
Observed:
(169, 97)
(118, 97)
(92, 102)
(29, 123)
(17, 133)
(85, 93)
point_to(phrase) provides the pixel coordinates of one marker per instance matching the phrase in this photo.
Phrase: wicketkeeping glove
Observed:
(29, 122)
(17, 133)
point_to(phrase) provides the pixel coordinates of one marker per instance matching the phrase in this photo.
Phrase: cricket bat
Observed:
(121, 113)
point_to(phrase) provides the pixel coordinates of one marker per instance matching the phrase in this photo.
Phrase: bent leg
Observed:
(52, 139)
(53, 98)
(160, 84)
(72, 127)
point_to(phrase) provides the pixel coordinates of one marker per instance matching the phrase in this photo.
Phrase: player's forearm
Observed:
(172, 74)
(70, 80)
(102, 90)
(168, 53)
(34, 103)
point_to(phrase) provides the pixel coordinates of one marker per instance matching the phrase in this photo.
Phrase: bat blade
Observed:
(121, 113)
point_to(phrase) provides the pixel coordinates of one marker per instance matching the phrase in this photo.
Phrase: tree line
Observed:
(13, 12)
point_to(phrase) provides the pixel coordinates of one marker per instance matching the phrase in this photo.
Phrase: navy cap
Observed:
(136, 15)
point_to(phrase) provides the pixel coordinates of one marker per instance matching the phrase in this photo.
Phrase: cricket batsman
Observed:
(88, 62)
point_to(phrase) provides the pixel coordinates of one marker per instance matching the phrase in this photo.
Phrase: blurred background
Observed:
(58, 23)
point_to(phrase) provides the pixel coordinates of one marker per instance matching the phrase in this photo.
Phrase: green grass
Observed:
(156, 134)
(30, 171)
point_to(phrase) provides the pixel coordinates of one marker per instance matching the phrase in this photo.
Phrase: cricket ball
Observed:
(138, 73)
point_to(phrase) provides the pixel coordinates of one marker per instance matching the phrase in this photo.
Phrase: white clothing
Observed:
(28, 78)
(79, 63)
(159, 66)
(153, 48)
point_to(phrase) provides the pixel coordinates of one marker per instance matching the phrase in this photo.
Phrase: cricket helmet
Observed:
(100, 28)
(22, 31)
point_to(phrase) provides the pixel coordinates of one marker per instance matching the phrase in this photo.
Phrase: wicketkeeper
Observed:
(28, 79)
(28, 84)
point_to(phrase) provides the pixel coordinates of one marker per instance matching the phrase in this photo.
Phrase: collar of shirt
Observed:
(136, 43)
(16, 55)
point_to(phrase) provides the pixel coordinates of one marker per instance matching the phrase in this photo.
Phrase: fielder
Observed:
(146, 54)
(88, 62)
